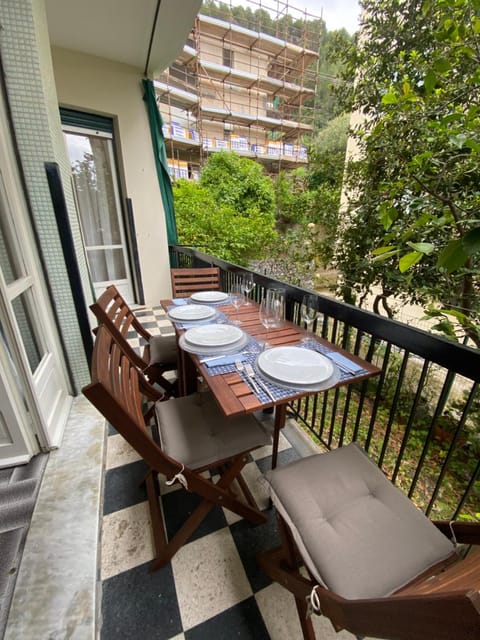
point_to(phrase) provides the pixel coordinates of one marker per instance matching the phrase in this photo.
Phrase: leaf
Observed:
(385, 256)
(473, 145)
(390, 98)
(422, 247)
(458, 140)
(452, 257)
(408, 260)
(380, 250)
(471, 241)
(430, 81)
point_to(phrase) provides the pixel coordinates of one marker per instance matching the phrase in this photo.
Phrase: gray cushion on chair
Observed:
(194, 431)
(358, 534)
(163, 350)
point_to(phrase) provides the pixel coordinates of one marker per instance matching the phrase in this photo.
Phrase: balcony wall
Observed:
(420, 419)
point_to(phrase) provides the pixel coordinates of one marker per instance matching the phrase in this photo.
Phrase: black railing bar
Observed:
(411, 417)
(451, 355)
(333, 417)
(315, 399)
(364, 387)
(452, 447)
(344, 342)
(376, 403)
(393, 407)
(324, 413)
(447, 386)
(348, 395)
(346, 407)
(334, 334)
(468, 490)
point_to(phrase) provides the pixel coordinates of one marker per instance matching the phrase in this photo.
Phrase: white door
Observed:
(33, 390)
(98, 204)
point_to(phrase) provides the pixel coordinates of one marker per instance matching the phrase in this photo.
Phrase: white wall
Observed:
(108, 88)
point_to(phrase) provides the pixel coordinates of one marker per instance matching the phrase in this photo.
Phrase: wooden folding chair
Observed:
(373, 563)
(160, 353)
(187, 436)
(188, 281)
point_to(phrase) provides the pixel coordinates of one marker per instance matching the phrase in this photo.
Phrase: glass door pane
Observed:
(98, 203)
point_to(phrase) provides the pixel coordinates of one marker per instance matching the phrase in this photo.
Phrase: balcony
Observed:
(415, 420)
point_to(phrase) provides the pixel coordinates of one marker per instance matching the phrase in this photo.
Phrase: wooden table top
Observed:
(234, 396)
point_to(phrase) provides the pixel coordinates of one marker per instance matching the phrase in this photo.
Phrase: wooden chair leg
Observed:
(166, 549)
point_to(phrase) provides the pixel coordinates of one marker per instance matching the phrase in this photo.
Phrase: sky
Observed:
(337, 14)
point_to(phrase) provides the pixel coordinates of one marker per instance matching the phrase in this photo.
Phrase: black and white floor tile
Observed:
(213, 588)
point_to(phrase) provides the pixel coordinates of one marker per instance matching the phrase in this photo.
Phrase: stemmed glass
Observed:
(248, 283)
(309, 313)
(267, 316)
(237, 298)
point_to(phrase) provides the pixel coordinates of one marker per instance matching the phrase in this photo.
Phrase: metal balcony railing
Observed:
(420, 419)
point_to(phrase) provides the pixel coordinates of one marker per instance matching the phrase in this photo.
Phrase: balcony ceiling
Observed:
(120, 30)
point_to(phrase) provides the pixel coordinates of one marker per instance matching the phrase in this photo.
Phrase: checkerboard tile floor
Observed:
(213, 588)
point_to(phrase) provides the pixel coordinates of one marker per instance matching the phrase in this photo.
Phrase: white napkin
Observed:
(341, 360)
(224, 360)
(179, 301)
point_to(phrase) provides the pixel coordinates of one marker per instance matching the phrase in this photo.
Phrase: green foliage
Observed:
(414, 190)
(230, 212)
(241, 183)
(293, 198)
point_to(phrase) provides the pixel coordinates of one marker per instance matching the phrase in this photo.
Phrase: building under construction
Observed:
(243, 89)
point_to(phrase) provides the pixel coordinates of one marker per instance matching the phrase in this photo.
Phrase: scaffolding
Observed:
(249, 88)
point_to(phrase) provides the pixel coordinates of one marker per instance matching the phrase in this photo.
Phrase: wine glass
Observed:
(237, 298)
(248, 283)
(267, 316)
(309, 313)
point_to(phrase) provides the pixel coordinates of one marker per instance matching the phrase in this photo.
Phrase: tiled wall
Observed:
(25, 52)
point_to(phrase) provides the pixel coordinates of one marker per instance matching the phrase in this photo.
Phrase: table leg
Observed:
(187, 374)
(279, 423)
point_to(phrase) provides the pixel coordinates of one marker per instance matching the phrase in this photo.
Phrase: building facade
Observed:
(233, 88)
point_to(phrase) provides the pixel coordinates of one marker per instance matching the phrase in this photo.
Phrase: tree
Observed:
(412, 219)
(230, 213)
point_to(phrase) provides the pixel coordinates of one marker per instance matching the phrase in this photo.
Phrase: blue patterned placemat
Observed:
(250, 353)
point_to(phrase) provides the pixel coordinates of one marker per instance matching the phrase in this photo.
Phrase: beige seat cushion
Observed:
(194, 431)
(358, 534)
(163, 350)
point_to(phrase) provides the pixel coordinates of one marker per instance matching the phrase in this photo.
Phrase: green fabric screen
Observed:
(158, 143)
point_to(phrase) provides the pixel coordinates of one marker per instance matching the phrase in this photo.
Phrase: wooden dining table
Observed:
(234, 395)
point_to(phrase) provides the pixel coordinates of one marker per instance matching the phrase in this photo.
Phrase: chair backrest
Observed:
(118, 390)
(188, 281)
(111, 310)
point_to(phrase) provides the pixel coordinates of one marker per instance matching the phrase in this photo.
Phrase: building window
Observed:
(227, 57)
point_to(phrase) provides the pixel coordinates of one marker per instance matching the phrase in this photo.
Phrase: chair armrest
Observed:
(465, 532)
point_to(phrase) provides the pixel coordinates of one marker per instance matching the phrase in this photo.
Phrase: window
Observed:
(227, 57)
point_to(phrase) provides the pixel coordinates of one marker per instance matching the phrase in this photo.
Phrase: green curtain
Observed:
(158, 143)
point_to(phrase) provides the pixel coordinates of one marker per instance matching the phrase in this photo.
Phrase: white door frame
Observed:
(35, 404)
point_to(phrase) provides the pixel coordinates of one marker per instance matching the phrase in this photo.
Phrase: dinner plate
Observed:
(213, 351)
(191, 312)
(320, 386)
(295, 365)
(214, 335)
(209, 296)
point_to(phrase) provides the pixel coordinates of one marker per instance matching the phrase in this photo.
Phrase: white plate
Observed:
(209, 296)
(295, 365)
(189, 312)
(321, 386)
(213, 351)
(213, 335)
